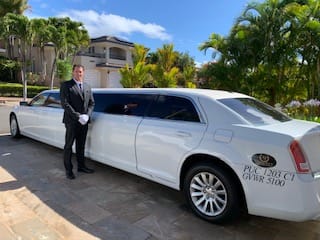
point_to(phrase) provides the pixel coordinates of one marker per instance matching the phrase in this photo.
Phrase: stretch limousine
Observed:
(225, 151)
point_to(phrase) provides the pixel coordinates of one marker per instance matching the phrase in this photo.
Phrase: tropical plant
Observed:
(43, 36)
(136, 76)
(164, 72)
(139, 74)
(13, 6)
(305, 23)
(272, 49)
(67, 37)
(18, 29)
(64, 69)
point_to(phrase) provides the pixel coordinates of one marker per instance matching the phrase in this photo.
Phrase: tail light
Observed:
(301, 163)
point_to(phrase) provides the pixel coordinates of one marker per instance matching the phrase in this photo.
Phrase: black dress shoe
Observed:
(70, 176)
(85, 170)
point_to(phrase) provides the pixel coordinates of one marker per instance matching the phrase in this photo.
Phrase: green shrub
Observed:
(16, 90)
(64, 69)
(8, 69)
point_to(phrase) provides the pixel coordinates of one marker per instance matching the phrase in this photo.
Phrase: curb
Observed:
(10, 100)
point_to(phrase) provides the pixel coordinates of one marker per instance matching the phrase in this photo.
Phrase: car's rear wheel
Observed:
(14, 127)
(212, 193)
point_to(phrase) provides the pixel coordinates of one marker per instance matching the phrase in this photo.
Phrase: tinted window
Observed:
(53, 100)
(125, 104)
(254, 111)
(174, 108)
(39, 100)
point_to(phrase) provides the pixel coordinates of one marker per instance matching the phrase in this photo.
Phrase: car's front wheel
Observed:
(14, 127)
(212, 193)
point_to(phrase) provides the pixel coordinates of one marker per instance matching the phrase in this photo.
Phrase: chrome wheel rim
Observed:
(13, 127)
(208, 194)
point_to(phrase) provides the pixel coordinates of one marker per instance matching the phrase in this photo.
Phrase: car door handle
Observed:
(183, 134)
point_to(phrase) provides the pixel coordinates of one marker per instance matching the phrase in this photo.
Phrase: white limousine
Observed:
(225, 151)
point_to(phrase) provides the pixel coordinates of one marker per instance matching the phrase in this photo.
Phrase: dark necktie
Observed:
(80, 86)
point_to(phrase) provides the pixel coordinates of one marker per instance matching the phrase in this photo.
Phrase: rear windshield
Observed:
(254, 111)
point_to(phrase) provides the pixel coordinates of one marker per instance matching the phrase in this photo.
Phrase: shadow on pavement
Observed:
(109, 204)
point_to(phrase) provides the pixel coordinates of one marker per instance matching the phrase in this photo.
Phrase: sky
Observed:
(184, 23)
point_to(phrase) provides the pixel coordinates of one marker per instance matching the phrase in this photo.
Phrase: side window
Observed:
(53, 100)
(174, 108)
(39, 100)
(123, 104)
(100, 101)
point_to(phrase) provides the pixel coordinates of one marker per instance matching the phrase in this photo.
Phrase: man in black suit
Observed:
(78, 103)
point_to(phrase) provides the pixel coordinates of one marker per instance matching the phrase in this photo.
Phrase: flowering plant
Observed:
(308, 110)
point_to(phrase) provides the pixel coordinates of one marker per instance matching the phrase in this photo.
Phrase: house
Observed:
(102, 61)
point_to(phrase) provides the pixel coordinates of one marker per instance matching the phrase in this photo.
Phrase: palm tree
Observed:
(58, 32)
(258, 50)
(305, 22)
(77, 36)
(67, 37)
(267, 25)
(215, 42)
(13, 6)
(43, 36)
(18, 27)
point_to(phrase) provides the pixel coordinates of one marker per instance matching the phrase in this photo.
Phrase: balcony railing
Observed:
(102, 55)
(87, 54)
(117, 57)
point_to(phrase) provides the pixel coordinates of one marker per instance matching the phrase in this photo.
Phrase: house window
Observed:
(117, 53)
(91, 50)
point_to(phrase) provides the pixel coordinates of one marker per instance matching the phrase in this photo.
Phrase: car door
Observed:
(50, 128)
(171, 129)
(28, 117)
(112, 133)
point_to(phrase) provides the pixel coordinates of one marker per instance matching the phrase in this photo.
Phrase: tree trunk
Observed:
(53, 72)
(318, 76)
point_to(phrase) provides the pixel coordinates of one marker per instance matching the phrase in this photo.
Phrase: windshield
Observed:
(254, 111)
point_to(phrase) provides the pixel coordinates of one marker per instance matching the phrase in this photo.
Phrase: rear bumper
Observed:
(297, 201)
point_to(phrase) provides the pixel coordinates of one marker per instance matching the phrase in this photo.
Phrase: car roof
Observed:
(215, 94)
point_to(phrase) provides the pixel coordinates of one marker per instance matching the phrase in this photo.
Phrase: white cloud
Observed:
(201, 64)
(115, 25)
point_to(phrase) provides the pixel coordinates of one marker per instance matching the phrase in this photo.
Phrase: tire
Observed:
(212, 193)
(14, 127)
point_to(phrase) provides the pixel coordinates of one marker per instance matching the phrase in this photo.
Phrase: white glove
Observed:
(83, 119)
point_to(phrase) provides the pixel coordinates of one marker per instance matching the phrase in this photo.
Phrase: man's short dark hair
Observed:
(77, 66)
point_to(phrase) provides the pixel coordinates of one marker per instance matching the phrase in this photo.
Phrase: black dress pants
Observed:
(78, 133)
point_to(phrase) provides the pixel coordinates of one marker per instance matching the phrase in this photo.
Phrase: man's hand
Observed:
(83, 119)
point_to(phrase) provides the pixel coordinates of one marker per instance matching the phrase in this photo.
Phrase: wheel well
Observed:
(200, 159)
(11, 115)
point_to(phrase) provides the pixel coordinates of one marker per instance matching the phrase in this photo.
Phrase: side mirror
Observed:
(23, 103)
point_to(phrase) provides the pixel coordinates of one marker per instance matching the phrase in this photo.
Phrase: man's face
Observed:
(78, 73)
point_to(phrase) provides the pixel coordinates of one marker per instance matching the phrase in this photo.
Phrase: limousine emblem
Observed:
(263, 160)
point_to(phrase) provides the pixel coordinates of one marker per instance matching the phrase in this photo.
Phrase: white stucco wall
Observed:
(114, 80)
(93, 78)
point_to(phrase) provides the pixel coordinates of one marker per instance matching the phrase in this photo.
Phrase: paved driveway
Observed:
(4, 118)
(38, 202)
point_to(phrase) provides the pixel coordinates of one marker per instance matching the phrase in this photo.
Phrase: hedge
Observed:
(16, 90)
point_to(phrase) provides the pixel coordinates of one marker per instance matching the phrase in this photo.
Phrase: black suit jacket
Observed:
(74, 102)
